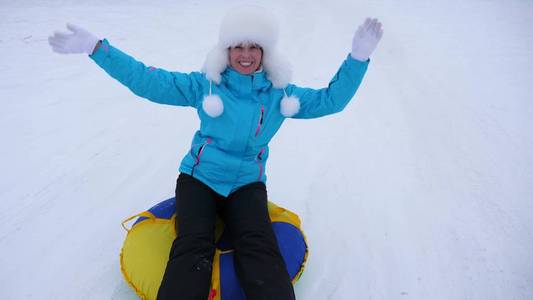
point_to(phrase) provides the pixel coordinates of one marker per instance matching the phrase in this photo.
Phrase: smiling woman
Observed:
(242, 97)
(246, 58)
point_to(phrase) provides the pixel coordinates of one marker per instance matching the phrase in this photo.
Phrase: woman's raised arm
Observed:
(154, 84)
(317, 103)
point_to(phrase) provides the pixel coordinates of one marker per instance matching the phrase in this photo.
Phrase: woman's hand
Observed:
(366, 38)
(78, 41)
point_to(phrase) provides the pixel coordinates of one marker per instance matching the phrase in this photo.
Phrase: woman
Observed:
(242, 97)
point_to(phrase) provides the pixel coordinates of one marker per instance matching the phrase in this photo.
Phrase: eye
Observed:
(239, 47)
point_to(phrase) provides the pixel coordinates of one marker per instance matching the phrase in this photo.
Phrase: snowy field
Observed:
(421, 189)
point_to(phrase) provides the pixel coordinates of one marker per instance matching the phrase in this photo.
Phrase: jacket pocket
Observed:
(259, 161)
(261, 119)
(198, 154)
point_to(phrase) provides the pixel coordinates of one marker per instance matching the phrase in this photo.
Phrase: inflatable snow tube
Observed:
(145, 251)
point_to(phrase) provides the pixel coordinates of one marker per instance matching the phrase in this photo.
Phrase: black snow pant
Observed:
(258, 263)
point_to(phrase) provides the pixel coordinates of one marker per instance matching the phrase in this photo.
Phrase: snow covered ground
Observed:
(421, 189)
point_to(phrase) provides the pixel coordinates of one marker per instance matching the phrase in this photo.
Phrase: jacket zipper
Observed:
(199, 154)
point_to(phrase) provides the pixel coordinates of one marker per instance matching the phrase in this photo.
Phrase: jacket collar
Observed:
(245, 84)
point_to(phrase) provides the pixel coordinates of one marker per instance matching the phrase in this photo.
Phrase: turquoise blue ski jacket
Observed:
(231, 150)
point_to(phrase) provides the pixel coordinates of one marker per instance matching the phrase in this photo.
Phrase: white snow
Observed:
(421, 189)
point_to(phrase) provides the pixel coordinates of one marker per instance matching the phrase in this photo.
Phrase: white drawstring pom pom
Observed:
(289, 106)
(213, 106)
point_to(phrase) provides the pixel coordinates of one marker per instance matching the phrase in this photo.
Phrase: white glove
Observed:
(366, 39)
(79, 41)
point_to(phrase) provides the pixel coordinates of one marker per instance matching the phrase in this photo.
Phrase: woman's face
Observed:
(245, 58)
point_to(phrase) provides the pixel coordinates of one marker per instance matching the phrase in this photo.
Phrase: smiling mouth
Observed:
(245, 64)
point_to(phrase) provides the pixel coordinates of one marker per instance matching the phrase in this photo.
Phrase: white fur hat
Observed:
(252, 24)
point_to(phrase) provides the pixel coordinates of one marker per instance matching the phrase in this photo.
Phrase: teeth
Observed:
(245, 64)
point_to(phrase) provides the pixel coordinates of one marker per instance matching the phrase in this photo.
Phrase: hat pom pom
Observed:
(213, 106)
(289, 106)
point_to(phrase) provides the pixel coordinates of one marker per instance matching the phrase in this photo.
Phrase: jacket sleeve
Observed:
(154, 84)
(317, 103)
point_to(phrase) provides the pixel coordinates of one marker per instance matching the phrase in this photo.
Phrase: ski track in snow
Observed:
(420, 189)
